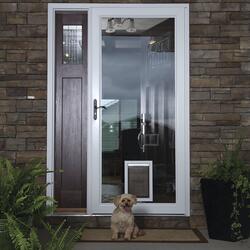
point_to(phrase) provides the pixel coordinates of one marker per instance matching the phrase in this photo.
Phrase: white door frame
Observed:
(181, 13)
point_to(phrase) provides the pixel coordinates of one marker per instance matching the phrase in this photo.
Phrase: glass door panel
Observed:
(138, 121)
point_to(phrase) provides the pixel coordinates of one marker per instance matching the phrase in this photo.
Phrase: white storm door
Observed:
(140, 105)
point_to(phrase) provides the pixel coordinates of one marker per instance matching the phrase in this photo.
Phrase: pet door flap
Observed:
(139, 179)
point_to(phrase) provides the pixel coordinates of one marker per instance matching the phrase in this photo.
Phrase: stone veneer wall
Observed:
(220, 81)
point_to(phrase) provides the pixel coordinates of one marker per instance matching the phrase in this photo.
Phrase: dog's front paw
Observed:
(114, 237)
(127, 238)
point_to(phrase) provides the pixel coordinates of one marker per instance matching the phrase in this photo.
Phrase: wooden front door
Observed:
(71, 110)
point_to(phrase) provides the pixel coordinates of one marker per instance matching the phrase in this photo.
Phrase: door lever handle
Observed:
(96, 108)
(101, 107)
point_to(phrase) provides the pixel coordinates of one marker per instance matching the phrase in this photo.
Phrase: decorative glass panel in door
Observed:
(138, 117)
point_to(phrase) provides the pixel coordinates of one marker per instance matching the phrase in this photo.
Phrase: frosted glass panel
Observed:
(72, 44)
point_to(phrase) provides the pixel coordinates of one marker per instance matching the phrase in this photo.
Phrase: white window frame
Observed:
(181, 13)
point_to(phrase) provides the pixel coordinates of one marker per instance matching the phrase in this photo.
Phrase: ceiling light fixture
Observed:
(110, 27)
(114, 24)
(131, 28)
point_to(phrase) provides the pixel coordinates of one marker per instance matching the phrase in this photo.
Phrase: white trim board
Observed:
(153, 10)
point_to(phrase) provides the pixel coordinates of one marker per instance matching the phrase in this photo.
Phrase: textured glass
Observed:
(72, 44)
(138, 91)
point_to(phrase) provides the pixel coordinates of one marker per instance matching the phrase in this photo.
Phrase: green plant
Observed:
(62, 239)
(22, 236)
(230, 168)
(22, 201)
(21, 194)
(26, 238)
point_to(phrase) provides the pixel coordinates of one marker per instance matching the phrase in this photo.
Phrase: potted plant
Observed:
(22, 203)
(226, 192)
(22, 196)
(60, 238)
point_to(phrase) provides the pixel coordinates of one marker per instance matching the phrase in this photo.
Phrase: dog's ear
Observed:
(134, 199)
(117, 200)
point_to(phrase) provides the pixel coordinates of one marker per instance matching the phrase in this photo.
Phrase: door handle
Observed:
(141, 135)
(139, 139)
(96, 108)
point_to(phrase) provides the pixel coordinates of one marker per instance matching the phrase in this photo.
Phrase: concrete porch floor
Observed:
(211, 245)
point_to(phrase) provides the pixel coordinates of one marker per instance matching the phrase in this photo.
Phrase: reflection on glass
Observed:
(138, 87)
(72, 44)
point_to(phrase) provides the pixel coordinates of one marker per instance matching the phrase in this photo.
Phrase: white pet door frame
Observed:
(144, 177)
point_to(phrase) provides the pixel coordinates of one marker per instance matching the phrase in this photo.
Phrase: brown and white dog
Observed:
(122, 220)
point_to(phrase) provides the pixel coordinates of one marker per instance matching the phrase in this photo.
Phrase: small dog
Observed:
(122, 220)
